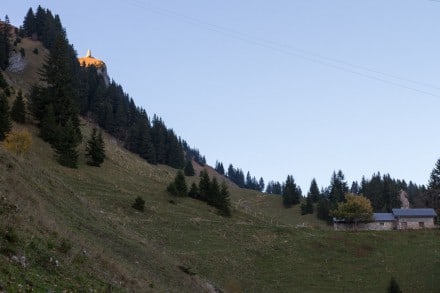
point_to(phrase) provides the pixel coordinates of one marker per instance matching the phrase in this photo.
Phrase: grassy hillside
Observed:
(75, 229)
(83, 219)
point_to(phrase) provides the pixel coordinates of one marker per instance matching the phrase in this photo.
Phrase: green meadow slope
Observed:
(75, 230)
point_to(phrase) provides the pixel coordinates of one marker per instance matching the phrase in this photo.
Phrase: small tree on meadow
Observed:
(139, 204)
(18, 111)
(178, 187)
(393, 287)
(189, 169)
(5, 118)
(95, 152)
(193, 191)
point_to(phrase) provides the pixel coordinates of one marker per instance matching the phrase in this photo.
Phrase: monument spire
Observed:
(89, 53)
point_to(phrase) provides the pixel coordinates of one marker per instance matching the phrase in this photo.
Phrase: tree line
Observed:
(236, 175)
(208, 190)
(72, 90)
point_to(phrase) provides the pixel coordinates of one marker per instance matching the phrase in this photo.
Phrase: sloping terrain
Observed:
(75, 229)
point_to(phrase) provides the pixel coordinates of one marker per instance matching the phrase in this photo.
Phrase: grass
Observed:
(78, 232)
(83, 218)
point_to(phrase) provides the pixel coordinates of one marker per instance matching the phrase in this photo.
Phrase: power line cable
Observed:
(288, 50)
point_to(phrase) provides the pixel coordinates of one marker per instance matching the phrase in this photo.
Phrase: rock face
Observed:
(100, 66)
(16, 63)
(403, 196)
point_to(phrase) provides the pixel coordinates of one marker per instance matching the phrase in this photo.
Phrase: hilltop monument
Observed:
(100, 66)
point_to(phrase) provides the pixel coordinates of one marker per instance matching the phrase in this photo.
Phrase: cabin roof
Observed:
(414, 213)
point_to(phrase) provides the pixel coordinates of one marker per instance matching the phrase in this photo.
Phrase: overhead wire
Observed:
(289, 50)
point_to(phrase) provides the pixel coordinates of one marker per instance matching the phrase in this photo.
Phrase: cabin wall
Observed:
(404, 223)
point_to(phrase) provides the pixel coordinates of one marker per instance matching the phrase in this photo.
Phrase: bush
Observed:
(18, 142)
(65, 246)
(139, 204)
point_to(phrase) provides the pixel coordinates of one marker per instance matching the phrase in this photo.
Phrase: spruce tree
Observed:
(204, 185)
(180, 184)
(48, 125)
(193, 191)
(291, 192)
(224, 205)
(214, 193)
(338, 188)
(434, 179)
(65, 145)
(393, 287)
(5, 119)
(95, 152)
(189, 169)
(18, 111)
(314, 191)
(29, 25)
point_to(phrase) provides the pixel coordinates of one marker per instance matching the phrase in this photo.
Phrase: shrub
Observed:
(139, 204)
(65, 246)
(18, 142)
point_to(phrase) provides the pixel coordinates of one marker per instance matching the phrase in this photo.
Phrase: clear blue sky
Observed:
(269, 85)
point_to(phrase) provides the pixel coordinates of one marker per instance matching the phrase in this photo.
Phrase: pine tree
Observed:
(48, 125)
(224, 204)
(139, 204)
(29, 25)
(189, 169)
(219, 168)
(338, 188)
(291, 192)
(65, 145)
(95, 152)
(18, 111)
(393, 287)
(314, 191)
(5, 46)
(204, 185)
(434, 180)
(193, 191)
(261, 184)
(323, 209)
(5, 119)
(180, 183)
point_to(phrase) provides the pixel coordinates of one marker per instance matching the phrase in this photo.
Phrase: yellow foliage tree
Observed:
(18, 142)
(355, 209)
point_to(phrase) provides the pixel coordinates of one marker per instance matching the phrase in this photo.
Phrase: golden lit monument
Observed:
(100, 66)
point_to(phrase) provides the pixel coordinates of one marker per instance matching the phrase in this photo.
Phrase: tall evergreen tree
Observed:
(219, 168)
(261, 184)
(65, 145)
(5, 46)
(29, 24)
(338, 187)
(180, 184)
(204, 185)
(193, 191)
(95, 150)
(189, 169)
(434, 179)
(224, 204)
(60, 97)
(5, 119)
(314, 193)
(18, 111)
(291, 192)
